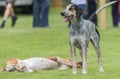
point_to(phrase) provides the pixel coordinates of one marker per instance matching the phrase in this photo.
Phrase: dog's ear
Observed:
(79, 11)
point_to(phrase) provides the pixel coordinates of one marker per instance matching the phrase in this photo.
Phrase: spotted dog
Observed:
(81, 32)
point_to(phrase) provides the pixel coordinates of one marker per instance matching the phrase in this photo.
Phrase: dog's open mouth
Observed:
(67, 18)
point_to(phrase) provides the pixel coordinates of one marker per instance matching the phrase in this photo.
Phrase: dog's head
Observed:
(71, 11)
(10, 65)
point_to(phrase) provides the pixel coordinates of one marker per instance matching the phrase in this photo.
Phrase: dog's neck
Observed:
(76, 22)
(76, 26)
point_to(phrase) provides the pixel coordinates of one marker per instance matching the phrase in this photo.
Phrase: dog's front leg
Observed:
(73, 55)
(84, 58)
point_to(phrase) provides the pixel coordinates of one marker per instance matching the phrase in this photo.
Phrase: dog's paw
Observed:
(74, 72)
(101, 70)
(84, 72)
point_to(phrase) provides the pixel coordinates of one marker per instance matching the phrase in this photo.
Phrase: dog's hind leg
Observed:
(99, 58)
(97, 47)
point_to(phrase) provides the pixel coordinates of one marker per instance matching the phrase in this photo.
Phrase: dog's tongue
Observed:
(65, 19)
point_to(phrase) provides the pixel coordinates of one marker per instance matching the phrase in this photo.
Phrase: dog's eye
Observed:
(70, 8)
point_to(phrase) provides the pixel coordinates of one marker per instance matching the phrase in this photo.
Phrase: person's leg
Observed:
(115, 14)
(9, 12)
(45, 13)
(36, 13)
(6, 14)
(14, 17)
(92, 7)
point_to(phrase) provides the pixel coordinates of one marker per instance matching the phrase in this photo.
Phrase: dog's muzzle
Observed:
(66, 17)
(62, 13)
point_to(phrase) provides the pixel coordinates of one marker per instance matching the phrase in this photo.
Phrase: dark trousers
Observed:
(92, 7)
(40, 13)
(83, 6)
(115, 14)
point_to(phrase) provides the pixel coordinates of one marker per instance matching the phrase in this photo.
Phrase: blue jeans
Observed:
(83, 6)
(40, 13)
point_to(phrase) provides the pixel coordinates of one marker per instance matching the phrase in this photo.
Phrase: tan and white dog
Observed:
(37, 63)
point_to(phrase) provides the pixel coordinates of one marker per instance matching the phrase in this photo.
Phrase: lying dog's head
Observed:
(71, 11)
(10, 65)
(15, 64)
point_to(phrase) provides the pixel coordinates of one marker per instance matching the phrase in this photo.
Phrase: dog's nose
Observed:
(63, 13)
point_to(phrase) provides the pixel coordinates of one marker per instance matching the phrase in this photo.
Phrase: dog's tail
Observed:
(101, 8)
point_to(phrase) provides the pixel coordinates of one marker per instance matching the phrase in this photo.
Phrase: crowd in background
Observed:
(41, 11)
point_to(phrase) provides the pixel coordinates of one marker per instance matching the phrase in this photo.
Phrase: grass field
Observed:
(23, 41)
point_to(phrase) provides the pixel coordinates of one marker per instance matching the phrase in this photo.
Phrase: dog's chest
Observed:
(80, 36)
(80, 33)
(78, 41)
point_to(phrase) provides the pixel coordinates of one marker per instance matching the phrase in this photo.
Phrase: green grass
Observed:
(23, 41)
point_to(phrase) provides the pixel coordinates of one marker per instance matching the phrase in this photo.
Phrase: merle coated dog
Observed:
(81, 32)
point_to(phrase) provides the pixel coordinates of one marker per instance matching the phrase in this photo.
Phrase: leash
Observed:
(101, 8)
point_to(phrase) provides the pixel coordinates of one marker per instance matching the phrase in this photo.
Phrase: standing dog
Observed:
(81, 32)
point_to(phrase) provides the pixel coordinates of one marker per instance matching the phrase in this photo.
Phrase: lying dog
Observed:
(81, 32)
(37, 63)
